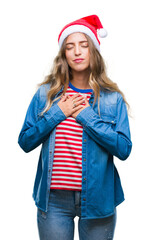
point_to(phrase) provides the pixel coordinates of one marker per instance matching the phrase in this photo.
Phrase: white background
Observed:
(28, 45)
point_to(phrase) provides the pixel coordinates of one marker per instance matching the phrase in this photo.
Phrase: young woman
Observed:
(80, 117)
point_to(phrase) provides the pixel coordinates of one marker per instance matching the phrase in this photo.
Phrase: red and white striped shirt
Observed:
(67, 163)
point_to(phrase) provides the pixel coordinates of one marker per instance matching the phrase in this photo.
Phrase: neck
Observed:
(81, 79)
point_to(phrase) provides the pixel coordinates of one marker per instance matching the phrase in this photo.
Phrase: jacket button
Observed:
(50, 151)
(84, 159)
(91, 101)
(49, 170)
(85, 178)
(84, 199)
(84, 140)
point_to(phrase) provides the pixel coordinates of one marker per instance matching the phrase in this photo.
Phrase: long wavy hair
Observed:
(60, 75)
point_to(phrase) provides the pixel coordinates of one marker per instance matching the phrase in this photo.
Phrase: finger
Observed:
(82, 101)
(86, 101)
(64, 98)
(75, 96)
(81, 97)
(77, 99)
(79, 103)
(77, 108)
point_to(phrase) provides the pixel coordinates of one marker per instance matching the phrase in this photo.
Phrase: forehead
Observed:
(76, 37)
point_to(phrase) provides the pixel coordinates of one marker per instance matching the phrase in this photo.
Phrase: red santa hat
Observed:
(89, 25)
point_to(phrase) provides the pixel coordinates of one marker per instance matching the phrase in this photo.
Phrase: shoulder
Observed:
(43, 90)
(40, 97)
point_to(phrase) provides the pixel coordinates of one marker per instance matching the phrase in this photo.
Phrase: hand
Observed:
(74, 115)
(67, 106)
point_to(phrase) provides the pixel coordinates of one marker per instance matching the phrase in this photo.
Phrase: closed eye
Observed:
(82, 44)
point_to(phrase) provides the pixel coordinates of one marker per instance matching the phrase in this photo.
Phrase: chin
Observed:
(80, 68)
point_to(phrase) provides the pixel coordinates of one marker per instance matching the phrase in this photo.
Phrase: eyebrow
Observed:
(79, 42)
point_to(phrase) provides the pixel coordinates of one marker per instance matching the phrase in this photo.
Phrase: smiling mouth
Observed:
(78, 60)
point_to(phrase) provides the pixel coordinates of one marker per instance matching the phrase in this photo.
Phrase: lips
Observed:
(78, 60)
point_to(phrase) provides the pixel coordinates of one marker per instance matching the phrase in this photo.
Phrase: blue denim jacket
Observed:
(103, 137)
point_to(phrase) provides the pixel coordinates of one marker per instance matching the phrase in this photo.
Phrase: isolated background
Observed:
(28, 45)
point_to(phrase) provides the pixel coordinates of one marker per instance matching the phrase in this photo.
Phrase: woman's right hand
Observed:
(66, 104)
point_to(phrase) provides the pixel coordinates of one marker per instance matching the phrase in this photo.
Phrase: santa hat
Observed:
(89, 25)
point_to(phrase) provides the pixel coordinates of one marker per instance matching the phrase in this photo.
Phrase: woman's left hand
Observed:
(74, 115)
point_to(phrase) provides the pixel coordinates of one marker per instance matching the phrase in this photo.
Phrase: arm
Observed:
(36, 129)
(115, 140)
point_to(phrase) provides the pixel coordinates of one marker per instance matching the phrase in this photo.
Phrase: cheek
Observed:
(68, 56)
(88, 54)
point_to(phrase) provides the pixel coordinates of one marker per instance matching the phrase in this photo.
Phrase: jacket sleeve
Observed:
(116, 140)
(36, 128)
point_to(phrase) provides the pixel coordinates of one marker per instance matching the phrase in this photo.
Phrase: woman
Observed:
(80, 117)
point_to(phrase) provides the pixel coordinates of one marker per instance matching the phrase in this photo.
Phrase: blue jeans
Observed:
(58, 222)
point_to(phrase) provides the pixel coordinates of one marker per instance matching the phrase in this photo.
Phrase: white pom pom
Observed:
(102, 32)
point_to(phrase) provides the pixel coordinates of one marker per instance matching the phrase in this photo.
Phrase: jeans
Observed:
(58, 222)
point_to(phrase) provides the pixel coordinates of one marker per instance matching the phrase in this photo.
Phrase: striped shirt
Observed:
(67, 163)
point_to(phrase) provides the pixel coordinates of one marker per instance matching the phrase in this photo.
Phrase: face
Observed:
(77, 52)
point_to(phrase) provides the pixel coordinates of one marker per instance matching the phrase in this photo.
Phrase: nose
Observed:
(77, 50)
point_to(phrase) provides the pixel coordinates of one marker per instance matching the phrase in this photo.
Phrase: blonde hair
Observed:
(61, 74)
